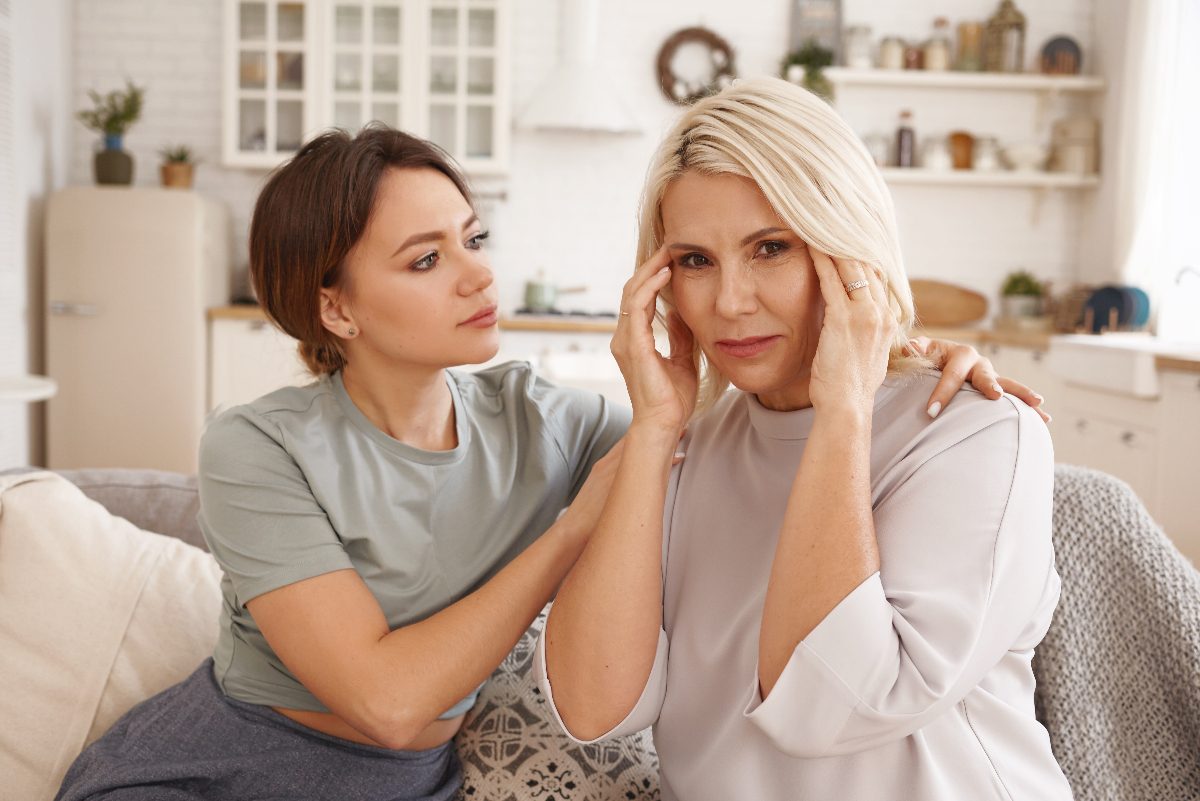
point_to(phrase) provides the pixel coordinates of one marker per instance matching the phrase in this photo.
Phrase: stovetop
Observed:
(590, 315)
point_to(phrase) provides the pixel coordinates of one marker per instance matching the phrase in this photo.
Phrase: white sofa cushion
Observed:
(95, 616)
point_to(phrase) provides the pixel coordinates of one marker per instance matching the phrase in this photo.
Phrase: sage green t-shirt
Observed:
(299, 483)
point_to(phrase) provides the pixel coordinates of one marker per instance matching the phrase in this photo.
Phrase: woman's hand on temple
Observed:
(662, 390)
(961, 363)
(856, 334)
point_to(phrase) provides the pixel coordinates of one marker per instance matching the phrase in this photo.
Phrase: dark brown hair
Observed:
(311, 212)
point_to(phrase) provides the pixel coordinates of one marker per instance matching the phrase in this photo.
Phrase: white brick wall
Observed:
(572, 198)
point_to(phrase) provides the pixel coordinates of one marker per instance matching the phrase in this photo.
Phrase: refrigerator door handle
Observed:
(76, 309)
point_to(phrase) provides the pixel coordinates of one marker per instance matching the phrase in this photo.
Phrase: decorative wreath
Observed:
(685, 91)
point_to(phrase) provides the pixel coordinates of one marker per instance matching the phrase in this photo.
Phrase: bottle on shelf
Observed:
(937, 49)
(906, 141)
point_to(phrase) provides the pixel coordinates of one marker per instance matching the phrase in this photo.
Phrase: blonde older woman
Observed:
(843, 595)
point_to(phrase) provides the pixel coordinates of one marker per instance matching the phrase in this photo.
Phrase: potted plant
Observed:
(1021, 295)
(806, 67)
(111, 115)
(177, 167)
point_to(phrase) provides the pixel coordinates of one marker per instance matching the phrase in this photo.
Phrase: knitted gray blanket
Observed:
(1118, 674)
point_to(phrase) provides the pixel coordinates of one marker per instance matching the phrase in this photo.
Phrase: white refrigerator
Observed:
(130, 273)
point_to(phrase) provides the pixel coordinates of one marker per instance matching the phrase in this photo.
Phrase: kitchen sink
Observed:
(1119, 362)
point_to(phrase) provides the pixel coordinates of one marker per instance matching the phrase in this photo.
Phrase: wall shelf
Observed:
(1013, 178)
(923, 79)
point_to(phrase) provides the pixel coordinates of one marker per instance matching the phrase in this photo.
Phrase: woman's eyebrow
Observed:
(433, 236)
(745, 240)
(761, 233)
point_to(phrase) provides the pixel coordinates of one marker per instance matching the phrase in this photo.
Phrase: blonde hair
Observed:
(812, 169)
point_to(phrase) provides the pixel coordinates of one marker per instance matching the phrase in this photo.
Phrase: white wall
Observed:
(572, 198)
(41, 58)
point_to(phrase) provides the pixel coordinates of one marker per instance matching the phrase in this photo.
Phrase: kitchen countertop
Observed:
(558, 323)
(1037, 340)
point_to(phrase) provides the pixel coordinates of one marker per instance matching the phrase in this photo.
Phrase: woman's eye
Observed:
(476, 242)
(426, 262)
(771, 248)
(693, 260)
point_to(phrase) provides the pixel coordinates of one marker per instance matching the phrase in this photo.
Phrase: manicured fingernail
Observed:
(934, 408)
(1040, 399)
(998, 388)
(680, 454)
(665, 270)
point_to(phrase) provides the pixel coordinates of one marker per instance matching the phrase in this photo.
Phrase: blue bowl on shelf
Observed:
(1110, 308)
(1141, 307)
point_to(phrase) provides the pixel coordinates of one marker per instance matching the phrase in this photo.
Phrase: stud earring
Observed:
(350, 332)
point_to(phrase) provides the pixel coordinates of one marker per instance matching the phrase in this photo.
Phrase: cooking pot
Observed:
(540, 296)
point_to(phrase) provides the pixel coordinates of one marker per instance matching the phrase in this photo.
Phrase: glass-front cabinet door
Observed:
(466, 109)
(436, 68)
(365, 75)
(269, 108)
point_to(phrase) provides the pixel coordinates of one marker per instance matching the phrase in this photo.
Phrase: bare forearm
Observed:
(602, 633)
(422, 669)
(827, 543)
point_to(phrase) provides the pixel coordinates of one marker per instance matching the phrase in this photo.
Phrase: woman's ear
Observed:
(335, 316)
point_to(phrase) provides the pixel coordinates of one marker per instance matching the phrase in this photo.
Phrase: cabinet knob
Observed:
(258, 325)
(1127, 437)
(1081, 425)
(1038, 355)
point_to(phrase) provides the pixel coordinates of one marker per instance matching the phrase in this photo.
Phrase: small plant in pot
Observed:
(1021, 295)
(178, 166)
(806, 67)
(111, 116)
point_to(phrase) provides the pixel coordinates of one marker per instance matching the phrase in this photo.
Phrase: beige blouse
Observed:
(918, 684)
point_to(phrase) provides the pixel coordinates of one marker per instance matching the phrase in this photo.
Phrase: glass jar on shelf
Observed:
(891, 53)
(857, 47)
(914, 57)
(970, 47)
(937, 49)
(906, 141)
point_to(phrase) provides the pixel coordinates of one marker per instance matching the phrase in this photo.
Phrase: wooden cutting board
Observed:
(940, 304)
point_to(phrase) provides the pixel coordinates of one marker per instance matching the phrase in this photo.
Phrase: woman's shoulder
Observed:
(518, 386)
(903, 401)
(265, 415)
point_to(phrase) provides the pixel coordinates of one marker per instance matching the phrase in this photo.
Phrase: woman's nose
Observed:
(476, 277)
(735, 295)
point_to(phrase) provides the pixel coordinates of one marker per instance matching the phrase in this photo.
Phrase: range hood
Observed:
(579, 96)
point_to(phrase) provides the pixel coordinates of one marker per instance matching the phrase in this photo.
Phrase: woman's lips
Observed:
(747, 348)
(485, 318)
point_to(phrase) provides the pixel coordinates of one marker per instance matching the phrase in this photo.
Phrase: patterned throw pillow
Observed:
(512, 750)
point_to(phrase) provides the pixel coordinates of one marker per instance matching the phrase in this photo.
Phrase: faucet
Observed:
(1184, 271)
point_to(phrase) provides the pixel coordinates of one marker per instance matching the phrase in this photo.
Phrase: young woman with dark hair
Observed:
(388, 532)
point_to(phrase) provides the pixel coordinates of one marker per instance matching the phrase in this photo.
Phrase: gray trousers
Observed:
(192, 742)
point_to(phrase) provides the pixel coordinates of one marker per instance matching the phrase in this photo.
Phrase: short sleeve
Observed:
(645, 711)
(585, 425)
(967, 575)
(257, 511)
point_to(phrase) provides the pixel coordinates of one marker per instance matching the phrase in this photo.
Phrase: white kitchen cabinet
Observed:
(1179, 461)
(436, 68)
(1027, 365)
(248, 359)
(269, 97)
(1151, 444)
